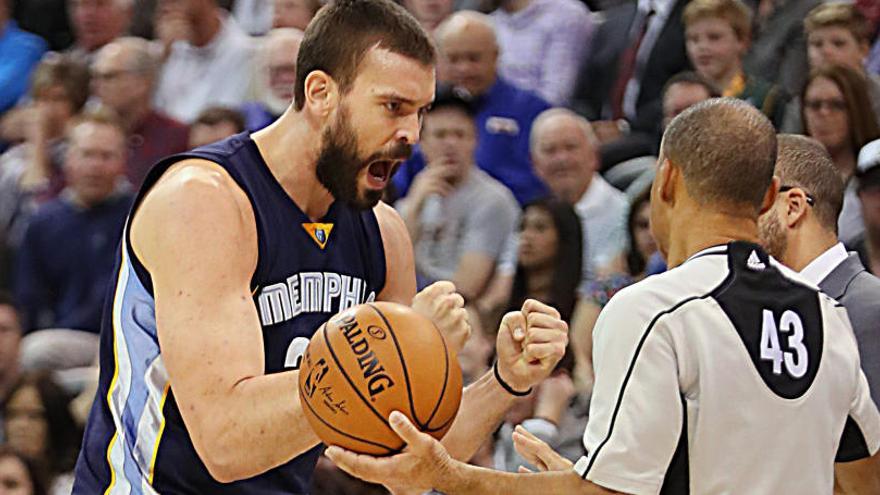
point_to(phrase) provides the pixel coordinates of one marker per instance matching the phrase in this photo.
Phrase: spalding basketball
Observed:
(370, 360)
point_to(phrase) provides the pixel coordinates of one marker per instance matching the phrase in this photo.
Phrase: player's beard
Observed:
(338, 163)
(772, 235)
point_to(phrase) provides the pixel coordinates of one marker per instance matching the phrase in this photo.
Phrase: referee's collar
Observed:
(718, 249)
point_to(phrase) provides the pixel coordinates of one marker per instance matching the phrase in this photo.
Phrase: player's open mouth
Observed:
(379, 172)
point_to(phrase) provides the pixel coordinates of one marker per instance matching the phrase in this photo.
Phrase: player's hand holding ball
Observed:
(445, 308)
(530, 343)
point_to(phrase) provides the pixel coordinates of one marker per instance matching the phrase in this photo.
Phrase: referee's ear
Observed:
(667, 176)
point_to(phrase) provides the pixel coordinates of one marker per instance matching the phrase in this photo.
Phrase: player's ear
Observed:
(321, 92)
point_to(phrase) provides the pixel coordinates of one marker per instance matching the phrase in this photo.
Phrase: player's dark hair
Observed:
(803, 162)
(343, 32)
(726, 150)
(569, 253)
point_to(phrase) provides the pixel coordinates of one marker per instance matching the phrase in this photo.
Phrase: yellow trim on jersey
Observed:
(115, 379)
(161, 430)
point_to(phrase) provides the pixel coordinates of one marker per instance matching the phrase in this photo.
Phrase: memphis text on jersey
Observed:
(311, 292)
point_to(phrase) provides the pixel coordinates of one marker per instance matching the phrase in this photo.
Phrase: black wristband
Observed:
(507, 387)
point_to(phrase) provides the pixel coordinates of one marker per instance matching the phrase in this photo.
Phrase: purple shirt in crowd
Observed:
(543, 45)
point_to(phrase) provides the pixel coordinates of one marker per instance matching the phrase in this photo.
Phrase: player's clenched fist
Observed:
(530, 343)
(441, 304)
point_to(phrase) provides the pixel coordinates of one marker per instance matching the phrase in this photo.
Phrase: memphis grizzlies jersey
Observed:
(729, 374)
(135, 440)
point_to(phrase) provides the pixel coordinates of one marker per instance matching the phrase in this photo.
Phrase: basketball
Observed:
(370, 360)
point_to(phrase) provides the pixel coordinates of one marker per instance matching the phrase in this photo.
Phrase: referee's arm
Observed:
(856, 473)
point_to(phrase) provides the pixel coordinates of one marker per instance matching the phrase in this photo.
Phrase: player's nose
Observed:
(409, 130)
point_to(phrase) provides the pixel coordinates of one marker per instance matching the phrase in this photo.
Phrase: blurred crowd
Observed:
(531, 179)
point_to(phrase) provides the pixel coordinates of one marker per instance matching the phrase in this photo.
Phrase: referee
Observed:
(728, 374)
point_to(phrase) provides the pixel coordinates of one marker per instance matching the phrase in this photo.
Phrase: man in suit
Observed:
(635, 51)
(801, 232)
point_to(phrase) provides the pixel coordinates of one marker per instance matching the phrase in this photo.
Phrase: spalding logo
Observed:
(376, 332)
(374, 373)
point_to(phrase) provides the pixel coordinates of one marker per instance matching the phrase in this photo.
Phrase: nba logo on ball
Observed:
(370, 360)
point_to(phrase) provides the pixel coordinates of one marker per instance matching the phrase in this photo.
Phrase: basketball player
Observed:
(728, 374)
(236, 252)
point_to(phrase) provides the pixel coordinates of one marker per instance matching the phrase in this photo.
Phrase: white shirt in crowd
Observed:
(219, 73)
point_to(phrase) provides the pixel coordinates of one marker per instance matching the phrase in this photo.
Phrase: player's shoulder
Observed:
(196, 180)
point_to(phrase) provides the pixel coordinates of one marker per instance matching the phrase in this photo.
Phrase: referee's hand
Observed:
(530, 343)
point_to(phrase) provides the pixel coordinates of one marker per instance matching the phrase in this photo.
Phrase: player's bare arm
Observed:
(196, 235)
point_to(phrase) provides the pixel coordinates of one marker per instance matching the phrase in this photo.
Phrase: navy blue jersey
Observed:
(135, 440)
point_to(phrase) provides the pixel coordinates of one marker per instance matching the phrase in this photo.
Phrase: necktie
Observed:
(627, 66)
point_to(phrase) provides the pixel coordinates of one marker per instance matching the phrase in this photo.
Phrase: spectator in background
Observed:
(717, 34)
(123, 77)
(96, 23)
(18, 475)
(38, 424)
(10, 344)
(595, 294)
(20, 52)
(682, 91)
(565, 153)
(48, 19)
(837, 33)
(30, 173)
(457, 216)
(430, 13)
(541, 42)
(837, 113)
(504, 113)
(273, 86)
(210, 60)
(214, 124)
(294, 13)
(867, 244)
(638, 47)
(254, 16)
(65, 263)
(549, 256)
(778, 51)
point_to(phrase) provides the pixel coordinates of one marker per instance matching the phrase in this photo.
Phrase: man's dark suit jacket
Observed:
(859, 292)
(599, 71)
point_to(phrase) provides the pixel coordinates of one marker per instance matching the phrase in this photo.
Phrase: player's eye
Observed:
(392, 106)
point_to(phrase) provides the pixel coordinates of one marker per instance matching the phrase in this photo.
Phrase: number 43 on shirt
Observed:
(795, 357)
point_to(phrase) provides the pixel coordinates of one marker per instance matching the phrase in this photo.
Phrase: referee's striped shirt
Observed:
(729, 374)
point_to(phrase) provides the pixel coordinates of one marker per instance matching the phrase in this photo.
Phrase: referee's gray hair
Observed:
(726, 149)
(551, 113)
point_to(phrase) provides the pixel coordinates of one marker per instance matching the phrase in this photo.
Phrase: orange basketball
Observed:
(370, 360)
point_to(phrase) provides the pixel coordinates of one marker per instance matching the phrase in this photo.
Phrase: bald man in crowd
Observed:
(503, 113)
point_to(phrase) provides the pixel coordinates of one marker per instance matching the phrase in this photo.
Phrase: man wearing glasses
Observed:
(801, 232)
